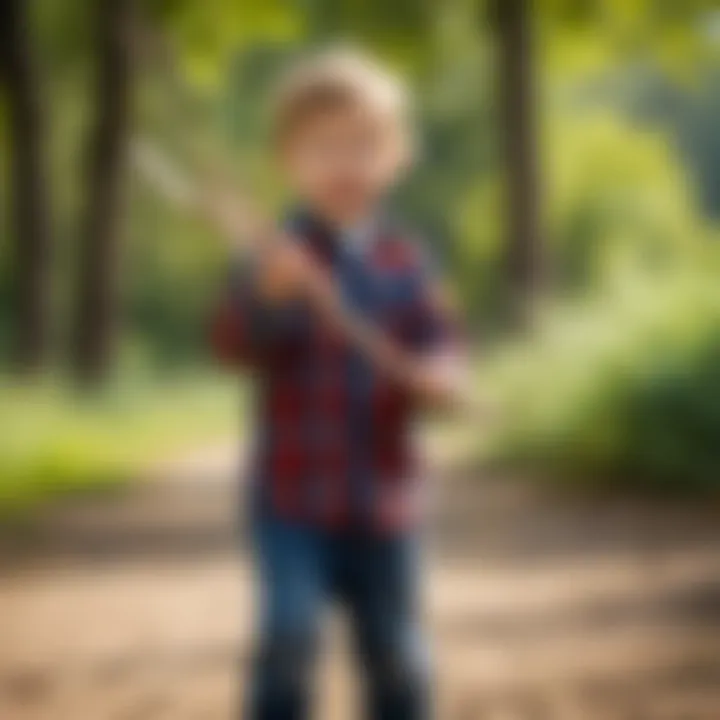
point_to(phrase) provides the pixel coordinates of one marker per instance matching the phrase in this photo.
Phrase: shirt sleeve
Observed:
(245, 330)
(434, 320)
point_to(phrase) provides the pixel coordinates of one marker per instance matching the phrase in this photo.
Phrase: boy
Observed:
(335, 494)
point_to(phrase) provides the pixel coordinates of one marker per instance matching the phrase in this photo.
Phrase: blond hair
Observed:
(337, 79)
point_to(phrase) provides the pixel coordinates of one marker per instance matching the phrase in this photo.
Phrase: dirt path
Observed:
(541, 608)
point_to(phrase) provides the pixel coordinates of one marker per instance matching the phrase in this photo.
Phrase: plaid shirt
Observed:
(334, 442)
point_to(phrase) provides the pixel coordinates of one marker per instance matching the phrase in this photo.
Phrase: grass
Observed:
(54, 442)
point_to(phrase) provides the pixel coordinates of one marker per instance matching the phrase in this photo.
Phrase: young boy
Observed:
(335, 494)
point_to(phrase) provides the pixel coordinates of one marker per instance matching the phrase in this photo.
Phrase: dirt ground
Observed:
(139, 606)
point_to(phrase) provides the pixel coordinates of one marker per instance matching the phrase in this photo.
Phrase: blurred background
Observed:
(568, 177)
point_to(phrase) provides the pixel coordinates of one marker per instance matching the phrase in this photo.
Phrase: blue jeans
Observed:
(375, 579)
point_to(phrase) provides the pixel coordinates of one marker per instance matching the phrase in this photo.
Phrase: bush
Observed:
(616, 199)
(625, 391)
(617, 194)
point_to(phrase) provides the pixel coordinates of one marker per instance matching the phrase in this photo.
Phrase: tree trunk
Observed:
(524, 246)
(99, 260)
(28, 187)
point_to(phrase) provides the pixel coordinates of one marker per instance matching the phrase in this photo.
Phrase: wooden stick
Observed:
(241, 224)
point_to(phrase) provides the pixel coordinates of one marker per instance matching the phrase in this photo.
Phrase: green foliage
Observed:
(180, 270)
(625, 391)
(207, 34)
(696, 116)
(55, 442)
(618, 200)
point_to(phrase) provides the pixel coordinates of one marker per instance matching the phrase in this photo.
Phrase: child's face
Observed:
(342, 161)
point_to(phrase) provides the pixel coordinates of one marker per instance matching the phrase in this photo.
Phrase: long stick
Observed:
(240, 222)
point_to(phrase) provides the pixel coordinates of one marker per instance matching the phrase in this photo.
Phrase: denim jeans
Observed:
(374, 578)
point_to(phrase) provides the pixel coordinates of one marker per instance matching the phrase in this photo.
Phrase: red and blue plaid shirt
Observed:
(334, 440)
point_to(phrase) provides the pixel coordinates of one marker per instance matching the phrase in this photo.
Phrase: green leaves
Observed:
(206, 34)
(639, 400)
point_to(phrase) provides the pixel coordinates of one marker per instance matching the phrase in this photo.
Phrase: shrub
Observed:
(625, 391)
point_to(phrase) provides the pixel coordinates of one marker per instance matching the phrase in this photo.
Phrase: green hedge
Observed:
(625, 391)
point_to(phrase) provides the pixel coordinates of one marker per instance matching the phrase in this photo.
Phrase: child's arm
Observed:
(257, 310)
(438, 370)
(435, 374)
(283, 271)
(245, 328)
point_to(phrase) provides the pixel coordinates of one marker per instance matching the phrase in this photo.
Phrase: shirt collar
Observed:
(319, 232)
(362, 235)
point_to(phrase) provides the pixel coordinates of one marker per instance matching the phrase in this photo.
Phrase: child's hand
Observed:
(284, 270)
(437, 383)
